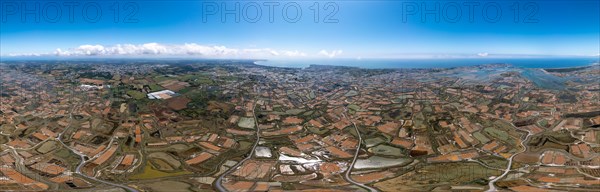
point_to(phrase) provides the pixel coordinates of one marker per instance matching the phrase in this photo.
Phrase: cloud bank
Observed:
(331, 54)
(179, 50)
(156, 49)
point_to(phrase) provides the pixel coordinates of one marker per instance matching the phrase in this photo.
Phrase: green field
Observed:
(386, 150)
(3, 139)
(196, 79)
(151, 173)
(499, 134)
(370, 142)
(169, 186)
(481, 137)
(294, 111)
(155, 87)
(246, 122)
(47, 147)
(354, 107)
(428, 177)
(136, 94)
(164, 161)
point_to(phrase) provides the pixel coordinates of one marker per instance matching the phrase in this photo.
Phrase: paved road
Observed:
(347, 174)
(82, 157)
(101, 181)
(219, 181)
(510, 160)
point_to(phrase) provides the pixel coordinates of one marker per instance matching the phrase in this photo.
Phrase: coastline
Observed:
(539, 63)
(568, 69)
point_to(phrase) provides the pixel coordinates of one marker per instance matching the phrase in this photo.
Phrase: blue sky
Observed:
(364, 29)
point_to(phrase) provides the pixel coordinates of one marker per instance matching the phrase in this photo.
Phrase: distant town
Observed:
(232, 125)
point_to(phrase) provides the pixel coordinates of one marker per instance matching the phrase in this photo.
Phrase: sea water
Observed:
(434, 63)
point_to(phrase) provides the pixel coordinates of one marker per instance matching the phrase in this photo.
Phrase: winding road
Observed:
(510, 160)
(347, 174)
(219, 181)
(83, 161)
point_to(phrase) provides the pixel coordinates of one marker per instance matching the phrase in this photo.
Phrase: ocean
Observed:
(435, 63)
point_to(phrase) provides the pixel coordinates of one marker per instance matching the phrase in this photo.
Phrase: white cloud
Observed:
(156, 49)
(24, 54)
(331, 54)
(482, 54)
(294, 53)
(152, 49)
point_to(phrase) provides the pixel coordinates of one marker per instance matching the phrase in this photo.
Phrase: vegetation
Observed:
(149, 172)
